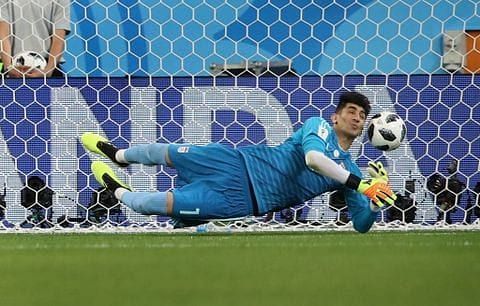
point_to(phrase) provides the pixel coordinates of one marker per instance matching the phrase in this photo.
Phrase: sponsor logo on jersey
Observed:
(183, 149)
(323, 131)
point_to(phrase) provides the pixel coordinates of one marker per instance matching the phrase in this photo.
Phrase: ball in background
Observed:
(386, 131)
(29, 59)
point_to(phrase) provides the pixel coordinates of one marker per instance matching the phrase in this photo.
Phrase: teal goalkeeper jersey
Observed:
(281, 178)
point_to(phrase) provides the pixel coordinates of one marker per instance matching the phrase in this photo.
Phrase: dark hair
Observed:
(355, 98)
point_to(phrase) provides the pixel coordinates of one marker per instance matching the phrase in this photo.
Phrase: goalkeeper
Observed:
(218, 182)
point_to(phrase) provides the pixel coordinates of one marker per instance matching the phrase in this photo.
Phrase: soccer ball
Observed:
(386, 131)
(29, 59)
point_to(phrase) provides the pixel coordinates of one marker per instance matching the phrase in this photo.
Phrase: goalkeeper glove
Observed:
(377, 190)
(376, 170)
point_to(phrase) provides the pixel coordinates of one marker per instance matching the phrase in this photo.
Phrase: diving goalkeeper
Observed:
(218, 182)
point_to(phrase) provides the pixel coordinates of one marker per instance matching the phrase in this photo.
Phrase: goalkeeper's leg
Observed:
(148, 154)
(147, 203)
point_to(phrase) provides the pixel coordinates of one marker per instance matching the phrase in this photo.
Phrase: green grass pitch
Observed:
(378, 268)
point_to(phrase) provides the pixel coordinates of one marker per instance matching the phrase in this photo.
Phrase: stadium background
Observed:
(147, 38)
(389, 50)
(139, 71)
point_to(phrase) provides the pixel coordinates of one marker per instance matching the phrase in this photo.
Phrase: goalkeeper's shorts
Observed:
(212, 182)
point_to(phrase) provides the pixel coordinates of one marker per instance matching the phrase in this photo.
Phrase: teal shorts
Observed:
(212, 183)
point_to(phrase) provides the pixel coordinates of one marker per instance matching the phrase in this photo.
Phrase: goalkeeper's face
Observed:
(349, 120)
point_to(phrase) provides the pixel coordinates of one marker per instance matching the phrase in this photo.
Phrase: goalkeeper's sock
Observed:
(120, 157)
(119, 192)
(147, 154)
(146, 203)
(110, 151)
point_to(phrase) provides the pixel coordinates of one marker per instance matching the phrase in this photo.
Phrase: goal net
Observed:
(242, 73)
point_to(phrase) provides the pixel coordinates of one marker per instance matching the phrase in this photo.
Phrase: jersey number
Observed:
(190, 212)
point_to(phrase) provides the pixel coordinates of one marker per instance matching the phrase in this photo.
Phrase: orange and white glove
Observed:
(376, 170)
(377, 190)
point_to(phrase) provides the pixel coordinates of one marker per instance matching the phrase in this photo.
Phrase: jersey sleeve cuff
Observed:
(353, 181)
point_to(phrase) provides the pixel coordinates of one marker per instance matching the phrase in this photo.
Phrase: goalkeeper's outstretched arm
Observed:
(375, 188)
(358, 204)
(359, 190)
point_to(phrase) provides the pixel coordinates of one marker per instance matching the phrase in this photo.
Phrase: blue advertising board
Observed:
(41, 123)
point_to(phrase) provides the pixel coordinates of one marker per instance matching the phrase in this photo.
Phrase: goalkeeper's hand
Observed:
(378, 191)
(376, 170)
